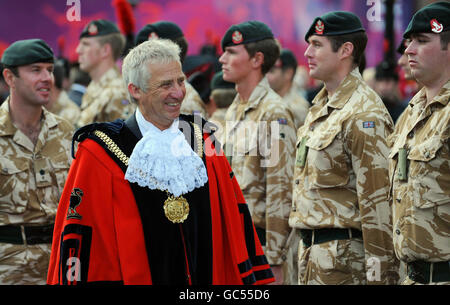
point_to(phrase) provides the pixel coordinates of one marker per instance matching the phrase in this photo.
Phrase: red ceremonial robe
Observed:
(98, 235)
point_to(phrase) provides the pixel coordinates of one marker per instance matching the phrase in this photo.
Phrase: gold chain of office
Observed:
(176, 209)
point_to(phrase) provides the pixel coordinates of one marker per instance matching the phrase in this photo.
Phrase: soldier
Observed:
(34, 161)
(340, 197)
(105, 99)
(281, 79)
(420, 156)
(193, 103)
(260, 135)
(221, 97)
(60, 103)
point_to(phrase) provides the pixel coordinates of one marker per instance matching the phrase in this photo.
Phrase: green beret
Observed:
(334, 24)
(244, 33)
(217, 82)
(99, 28)
(25, 52)
(433, 18)
(161, 29)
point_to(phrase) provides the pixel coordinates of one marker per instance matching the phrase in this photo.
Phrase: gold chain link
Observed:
(112, 147)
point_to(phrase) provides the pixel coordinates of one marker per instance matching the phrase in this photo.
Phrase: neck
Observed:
(336, 79)
(246, 86)
(283, 91)
(26, 116)
(101, 69)
(433, 90)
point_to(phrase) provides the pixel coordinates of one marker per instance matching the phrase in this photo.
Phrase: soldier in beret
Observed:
(34, 161)
(260, 136)
(193, 103)
(281, 79)
(420, 156)
(340, 198)
(105, 99)
(221, 97)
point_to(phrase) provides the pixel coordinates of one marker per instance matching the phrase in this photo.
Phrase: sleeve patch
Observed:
(369, 124)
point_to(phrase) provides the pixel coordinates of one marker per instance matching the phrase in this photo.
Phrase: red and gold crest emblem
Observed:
(436, 27)
(92, 29)
(320, 27)
(237, 37)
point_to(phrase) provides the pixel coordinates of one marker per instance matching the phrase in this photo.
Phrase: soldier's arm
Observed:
(119, 107)
(279, 172)
(367, 146)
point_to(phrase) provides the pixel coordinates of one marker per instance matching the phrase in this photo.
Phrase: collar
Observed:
(442, 97)
(257, 94)
(145, 126)
(7, 127)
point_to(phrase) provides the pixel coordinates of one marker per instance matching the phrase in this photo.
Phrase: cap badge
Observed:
(153, 35)
(92, 29)
(237, 37)
(320, 27)
(436, 27)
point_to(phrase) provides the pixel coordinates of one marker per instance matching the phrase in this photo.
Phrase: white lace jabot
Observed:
(164, 160)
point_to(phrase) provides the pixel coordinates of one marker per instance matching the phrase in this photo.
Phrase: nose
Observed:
(178, 91)
(47, 76)
(307, 53)
(78, 49)
(222, 58)
(411, 48)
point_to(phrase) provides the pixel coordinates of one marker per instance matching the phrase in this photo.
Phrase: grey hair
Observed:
(135, 68)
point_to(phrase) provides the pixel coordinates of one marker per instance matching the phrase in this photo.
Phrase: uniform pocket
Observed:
(430, 173)
(326, 160)
(14, 185)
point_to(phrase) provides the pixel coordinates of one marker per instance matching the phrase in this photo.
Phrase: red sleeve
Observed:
(97, 227)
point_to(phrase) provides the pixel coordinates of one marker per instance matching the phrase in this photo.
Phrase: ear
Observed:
(8, 76)
(134, 91)
(257, 60)
(346, 50)
(106, 50)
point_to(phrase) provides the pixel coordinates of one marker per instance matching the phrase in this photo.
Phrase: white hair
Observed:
(135, 68)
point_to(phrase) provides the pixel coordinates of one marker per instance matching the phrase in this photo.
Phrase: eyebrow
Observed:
(169, 81)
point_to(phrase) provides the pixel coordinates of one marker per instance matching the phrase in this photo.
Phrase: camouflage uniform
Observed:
(218, 118)
(298, 105)
(105, 100)
(421, 199)
(31, 182)
(265, 182)
(66, 108)
(343, 183)
(193, 103)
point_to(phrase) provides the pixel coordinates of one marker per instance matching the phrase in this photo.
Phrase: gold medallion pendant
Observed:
(176, 209)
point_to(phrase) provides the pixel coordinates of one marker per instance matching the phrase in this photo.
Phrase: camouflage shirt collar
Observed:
(443, 96)
(343, 93)
(7, 127)
(258, 93)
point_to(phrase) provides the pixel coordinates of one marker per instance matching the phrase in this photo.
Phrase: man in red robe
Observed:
(151, 200)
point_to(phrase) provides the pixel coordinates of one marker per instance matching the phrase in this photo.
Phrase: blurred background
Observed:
(205, 21)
